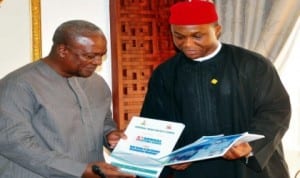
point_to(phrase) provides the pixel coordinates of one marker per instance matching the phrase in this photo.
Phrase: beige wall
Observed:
(15, 31)
(14, 35)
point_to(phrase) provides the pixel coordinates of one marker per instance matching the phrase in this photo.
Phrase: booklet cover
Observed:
(147, 141)
(149, 145)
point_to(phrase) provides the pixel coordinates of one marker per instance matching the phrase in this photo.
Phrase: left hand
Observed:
(114, 137)
(238, 151)
(107, 169)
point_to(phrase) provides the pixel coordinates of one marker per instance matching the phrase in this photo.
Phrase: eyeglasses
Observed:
(86, 56)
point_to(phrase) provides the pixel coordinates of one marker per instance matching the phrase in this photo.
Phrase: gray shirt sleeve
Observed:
(18, 141)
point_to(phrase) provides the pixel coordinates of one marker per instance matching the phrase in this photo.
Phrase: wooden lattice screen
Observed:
(141, 40)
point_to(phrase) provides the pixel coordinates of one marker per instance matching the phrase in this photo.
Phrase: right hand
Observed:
(108, 170)
(238, 151)
(114, 137)
(181, 166)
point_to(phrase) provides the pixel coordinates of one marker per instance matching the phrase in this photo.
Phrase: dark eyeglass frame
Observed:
(85, 56)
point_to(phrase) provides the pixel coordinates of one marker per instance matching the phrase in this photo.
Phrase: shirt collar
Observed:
(200, 59)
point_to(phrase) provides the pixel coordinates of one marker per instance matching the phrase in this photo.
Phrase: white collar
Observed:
(200, 59)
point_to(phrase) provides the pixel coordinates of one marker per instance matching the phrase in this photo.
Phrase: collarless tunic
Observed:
(51, 126)
(235, 91)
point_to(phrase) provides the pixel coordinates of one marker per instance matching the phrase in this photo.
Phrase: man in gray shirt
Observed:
(55, 113)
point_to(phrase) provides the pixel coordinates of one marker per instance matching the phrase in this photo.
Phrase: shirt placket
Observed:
(86, 115)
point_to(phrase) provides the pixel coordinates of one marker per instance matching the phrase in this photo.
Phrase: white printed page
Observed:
(147, 140)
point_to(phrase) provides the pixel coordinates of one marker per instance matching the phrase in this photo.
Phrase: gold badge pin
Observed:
(214, 81)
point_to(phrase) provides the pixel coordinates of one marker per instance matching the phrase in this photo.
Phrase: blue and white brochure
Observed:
(147, 141)
(207, 147)
(150, 142)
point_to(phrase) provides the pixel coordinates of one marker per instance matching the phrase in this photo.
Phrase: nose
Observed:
(97, 60)
(188, 42)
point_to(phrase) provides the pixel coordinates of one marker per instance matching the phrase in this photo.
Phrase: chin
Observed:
(85, 75)
(86, 72)
(192, 56)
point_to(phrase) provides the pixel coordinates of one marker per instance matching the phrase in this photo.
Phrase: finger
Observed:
(112, 145)
(228, 155)
(117, 135)
(111, 170)
(111, 173)
(243, 149)
(238, 151)
(182, 166)
(123, 136)
(105, 167)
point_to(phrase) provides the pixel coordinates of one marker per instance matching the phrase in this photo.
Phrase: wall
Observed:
(15, 31)
(15, 42)
(288, 64)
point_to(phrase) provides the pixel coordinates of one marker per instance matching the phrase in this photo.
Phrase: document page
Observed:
(207, 147)
(147, 141)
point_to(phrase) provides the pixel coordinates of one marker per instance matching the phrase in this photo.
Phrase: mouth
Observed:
(191, 53)
(91, 68)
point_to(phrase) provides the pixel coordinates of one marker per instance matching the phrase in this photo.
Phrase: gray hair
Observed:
(67, 31)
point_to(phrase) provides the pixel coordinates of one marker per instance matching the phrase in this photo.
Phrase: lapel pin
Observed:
(214, 81)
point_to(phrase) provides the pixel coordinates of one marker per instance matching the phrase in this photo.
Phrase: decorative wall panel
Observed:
(141, 40)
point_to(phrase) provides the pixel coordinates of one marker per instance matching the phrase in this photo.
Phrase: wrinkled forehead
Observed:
(89, 39)
(192, 28)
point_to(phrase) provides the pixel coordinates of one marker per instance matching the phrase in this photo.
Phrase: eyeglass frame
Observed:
(88, 56)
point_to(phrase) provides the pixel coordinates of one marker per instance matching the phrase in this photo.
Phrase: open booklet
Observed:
(150, 142)
(147, 141)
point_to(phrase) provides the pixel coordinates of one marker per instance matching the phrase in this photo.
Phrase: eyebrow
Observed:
(190, 34)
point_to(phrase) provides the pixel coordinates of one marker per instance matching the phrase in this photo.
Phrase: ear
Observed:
(218, 30)
(61, 50)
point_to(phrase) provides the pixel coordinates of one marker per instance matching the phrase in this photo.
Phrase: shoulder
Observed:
(22, 71)
(167, 67)
(19, 83)
(22, 76)
(246, 60)
(243, 55)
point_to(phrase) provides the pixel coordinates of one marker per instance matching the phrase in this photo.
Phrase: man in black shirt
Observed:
(215, 88)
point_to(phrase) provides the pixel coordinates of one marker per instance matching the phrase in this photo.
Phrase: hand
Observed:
(108, 170)
(238, 151)
(181, 167)
(114, 137)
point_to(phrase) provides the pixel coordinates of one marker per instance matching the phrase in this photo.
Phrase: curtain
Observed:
(287, 65)
(259, 25)
(265, 26)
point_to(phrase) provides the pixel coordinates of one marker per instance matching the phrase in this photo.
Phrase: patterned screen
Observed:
(140, 41)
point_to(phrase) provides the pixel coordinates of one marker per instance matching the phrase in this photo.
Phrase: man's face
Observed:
(196, 40)
(84, 55)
